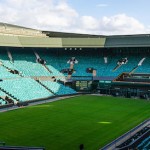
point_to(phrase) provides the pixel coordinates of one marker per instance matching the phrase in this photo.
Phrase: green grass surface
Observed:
(63, 125)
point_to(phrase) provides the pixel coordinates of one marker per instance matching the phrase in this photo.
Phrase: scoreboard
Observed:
(83, 85)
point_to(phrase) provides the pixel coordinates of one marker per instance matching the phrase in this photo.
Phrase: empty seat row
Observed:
(25, 63)
(25, 89)
(58, 88)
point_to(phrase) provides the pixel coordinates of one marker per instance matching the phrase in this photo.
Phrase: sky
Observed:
(104, 17)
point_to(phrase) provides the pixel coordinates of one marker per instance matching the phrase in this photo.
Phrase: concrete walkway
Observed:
(36, 103)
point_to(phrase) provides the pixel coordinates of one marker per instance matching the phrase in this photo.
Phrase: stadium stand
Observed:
(131, 142)
(24, 89)
(58, 88)
(6, 74)
(5, 99)
(145, 144)
(54, 62)
(133, 139)
(93, 60)
(25, 63)
(21, 57)
(2, 102)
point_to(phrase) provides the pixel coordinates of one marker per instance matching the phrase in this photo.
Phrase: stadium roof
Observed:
(11, 26)
(6, 27)
(70, 35)
(17, 36)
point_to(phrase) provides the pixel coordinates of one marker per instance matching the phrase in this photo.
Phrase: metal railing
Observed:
(126, 136)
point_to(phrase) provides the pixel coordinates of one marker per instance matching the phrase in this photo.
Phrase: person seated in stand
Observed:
(122, 61)
(14, 71)
(70, 71)
(41, 61)
(119, 62)
(69, 61)
(72, 60)
(54, 79)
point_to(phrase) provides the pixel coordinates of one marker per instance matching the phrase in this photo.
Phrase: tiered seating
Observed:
(106, 69)
(95, 60)
(57, 88)
(26, 63)
(2, 102)
(145, 66)
(56, 60)
(7, 64)
(2, 93)
(144, 145)
(112, 62)
(54, 63)
(4, 73)
(25, 89)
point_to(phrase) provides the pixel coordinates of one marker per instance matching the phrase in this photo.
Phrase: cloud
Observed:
(43, 14)
(58, 15)
(102, 5)
(117, 24)
(121, 24)
(89, 23)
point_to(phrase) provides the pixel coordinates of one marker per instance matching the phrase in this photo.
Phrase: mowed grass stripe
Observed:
(91, 120)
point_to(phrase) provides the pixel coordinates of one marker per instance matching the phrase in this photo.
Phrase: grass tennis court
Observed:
(63, 125)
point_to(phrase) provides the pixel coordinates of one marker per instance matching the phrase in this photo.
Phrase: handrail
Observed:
(133, 141)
